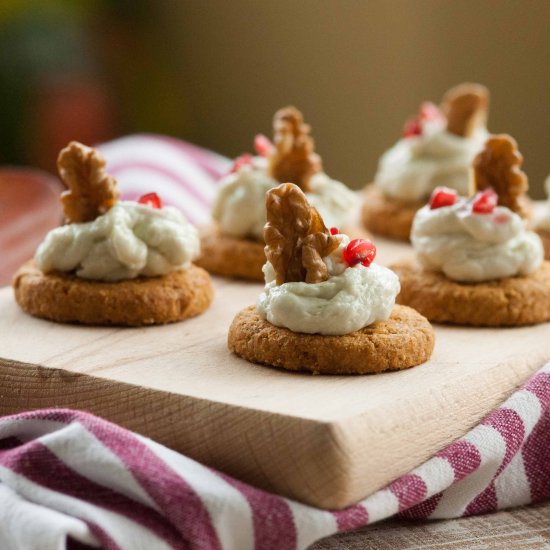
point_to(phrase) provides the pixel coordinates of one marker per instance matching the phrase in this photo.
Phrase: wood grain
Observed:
(525, 527)
(327, 441)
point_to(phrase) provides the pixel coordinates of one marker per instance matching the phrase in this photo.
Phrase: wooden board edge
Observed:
(367, 474)
(294, 457)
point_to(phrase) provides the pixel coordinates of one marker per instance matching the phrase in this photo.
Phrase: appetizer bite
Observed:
(437, 149)
(477, 264)
(233, 246)
(113, 262)
(326, 306)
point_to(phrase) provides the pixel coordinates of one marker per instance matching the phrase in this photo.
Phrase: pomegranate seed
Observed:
(150, 199)
(359, 251)
(262, 145)
(443, 196)
(502, 218)
(334, 231)
(412, 128)
(244, 160)
(430, 111)
(485, 202)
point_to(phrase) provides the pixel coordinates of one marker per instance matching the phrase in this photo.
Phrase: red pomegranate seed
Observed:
(502, 218)
(244, 160)
(150, 199)
(262, 145)
(359, 251)
(334, 231)
(412, 128)
(443, 196)
(430, 111)
(485, 202)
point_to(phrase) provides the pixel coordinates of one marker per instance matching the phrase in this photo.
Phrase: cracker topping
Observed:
(90, 191)
(498, 167)
(296, 237)
(293, 157)
(466, 107)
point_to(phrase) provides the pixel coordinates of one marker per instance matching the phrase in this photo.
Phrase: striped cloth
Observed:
(67, 475)
(183, 174)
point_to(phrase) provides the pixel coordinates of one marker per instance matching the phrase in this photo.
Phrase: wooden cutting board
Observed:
(325, 440)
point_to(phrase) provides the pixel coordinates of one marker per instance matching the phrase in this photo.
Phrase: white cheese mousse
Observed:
(471, 247)
(239, 206)
(349, 300)
(128, 241)
(417, 164)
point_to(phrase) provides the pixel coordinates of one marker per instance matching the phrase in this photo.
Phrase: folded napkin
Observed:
(68, 476)
(182, 174)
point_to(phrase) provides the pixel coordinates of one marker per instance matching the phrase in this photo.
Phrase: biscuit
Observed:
(513, 301)
(388, 216)
(229, 256)
(406, 339)
(545, 238)
(66, 298)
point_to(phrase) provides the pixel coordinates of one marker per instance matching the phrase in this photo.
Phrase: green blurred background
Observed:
(214, 71)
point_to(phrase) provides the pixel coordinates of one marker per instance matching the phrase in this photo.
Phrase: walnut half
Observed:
(466, 107)
(90, 191)
(499, 166)
(293, 157)
(296, 237)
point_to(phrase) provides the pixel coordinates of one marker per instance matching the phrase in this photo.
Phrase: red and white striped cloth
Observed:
(67, 475)
(70, 476)
(184, 175)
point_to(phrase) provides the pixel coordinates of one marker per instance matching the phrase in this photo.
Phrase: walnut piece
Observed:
(90, 191)
(499, 166)
(296, 237)
(293, 158)
(466, 107)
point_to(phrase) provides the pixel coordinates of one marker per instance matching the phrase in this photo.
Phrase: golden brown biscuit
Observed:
(230, 256)
(406, 339)
(387, 216)
(513, 301)
(66, 298)
(545, 238)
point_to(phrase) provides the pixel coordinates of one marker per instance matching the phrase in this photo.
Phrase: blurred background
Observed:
(214, 71)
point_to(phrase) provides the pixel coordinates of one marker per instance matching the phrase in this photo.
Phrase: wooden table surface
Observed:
(519, 528)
